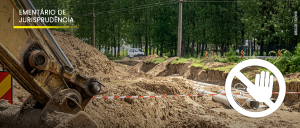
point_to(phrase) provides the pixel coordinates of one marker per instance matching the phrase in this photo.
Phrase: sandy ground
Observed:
(123, 80)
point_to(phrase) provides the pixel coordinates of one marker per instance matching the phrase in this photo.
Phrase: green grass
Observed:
(291, 80)
(225, 69)
(182, 60)
(157, 60)
(179, 61)
(198, 65)
(114, 58)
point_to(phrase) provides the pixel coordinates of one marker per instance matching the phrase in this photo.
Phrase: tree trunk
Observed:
(222, 49)
(242, 40)
(216, 49)
(188, 47)
(235, 43)
(197, 49)
(149, 46)
(254, 45)
(261, 45)
(268, 49)
(161, 49)
(202, 51)
(115, 46)
(146, 46)
(141, 44)
(262, 34)
(193, 50)
(119, 50)
(183, 49)
(154, 49)
(111, 49)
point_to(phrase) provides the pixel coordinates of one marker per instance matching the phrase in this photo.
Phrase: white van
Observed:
(134, 52)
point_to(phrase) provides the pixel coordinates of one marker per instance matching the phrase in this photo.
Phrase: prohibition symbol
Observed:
(262, 89)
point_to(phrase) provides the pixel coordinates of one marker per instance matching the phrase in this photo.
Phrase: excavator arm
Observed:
(35, 60)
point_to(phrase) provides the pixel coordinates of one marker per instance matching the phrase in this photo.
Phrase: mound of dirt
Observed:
(85, 58)
(150, 57)
(125, 59)
(19, 93)
(147, 66)
(218, 64)
(128, 62)
(170, 86)
(140, 65)
(194, 72)
(160, 67)
(180, 69)
(153, 112)
(138, 58)
(293, 75)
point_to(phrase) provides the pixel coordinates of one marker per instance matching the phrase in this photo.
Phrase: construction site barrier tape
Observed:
(123, 97)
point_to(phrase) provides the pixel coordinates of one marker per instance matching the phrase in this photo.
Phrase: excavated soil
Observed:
(141, 64)
(128, 62)
(125, 59)
(123, 80)
(194, 72)
(150, 57)
(138, 58)
(134, 61)
(85, 58)
(218, 64)
(212, 76)
(180, 69)
(160, 67)
(147, 66)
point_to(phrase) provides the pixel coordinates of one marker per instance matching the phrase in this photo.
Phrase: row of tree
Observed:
(153, 24)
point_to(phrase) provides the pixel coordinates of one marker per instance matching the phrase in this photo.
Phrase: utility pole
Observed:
(94, 26)
(179, 29)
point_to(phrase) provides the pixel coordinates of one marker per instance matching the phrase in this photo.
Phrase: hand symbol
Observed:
(262, 90)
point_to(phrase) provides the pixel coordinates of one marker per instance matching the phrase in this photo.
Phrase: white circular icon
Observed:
(262, 89)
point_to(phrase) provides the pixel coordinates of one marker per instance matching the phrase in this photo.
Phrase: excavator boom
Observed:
(35, 60)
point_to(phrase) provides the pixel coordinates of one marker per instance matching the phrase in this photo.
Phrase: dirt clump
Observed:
(147, 66)
(218, 64)
(85, 58)
(149, 112)
(293, 75)
(194, 72)
(19, 93)
(182, 69)
(138, 58)
(140, 65)
(249, 69)
(181, 111)
(167, 86)
(160, 67)
(128, 62)
(125, 59)
(150, 57)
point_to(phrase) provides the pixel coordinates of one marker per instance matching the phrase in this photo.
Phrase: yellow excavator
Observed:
(33, 57)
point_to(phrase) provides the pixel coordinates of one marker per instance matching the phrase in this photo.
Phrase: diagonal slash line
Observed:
(248, 83)
(244, 79)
